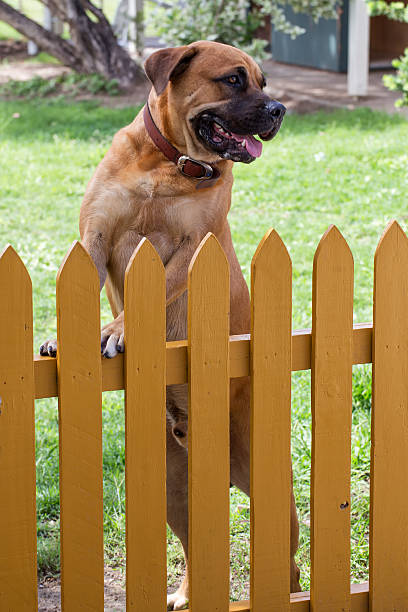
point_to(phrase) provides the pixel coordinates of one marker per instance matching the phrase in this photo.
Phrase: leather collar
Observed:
(205, 174)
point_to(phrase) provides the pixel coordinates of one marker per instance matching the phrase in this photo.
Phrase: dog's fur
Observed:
(137, 192)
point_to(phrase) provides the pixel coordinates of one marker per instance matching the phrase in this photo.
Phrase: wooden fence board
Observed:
(80, 422)
(208, 439)
(389, 450)
(271, 343)
(145, 402)
(18, 531)
(332, 328)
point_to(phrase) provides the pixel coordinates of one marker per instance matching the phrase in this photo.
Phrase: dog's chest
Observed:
(190, 215)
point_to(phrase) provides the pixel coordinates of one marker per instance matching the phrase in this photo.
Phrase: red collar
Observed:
(206, 174)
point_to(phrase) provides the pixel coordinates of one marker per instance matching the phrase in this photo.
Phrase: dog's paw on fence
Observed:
(49, 348)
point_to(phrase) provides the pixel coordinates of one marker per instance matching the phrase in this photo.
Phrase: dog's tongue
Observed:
(253, 146)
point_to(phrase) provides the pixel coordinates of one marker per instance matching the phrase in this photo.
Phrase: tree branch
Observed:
(56, 46)
(93, 46)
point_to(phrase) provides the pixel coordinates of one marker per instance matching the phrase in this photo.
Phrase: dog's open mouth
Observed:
(248, 142)
(214, 133)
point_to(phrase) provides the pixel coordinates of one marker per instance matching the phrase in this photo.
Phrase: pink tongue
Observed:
(253, 146)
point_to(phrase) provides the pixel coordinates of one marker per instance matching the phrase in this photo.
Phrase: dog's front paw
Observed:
(177, 601)
(49, 348)
(112, 338)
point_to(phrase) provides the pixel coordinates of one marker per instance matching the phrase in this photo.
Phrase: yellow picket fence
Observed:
(207, 361)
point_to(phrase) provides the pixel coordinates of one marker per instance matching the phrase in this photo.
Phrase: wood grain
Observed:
(145, 410)
(80, 427)
(389, 430)
(18, 531)
(208, 437)
(332, 346)
(271, 344)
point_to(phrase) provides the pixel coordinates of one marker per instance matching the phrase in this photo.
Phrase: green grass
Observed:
(347, 168)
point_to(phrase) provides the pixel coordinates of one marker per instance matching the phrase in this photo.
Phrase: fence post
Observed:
(80, 423)
(18, 529)
(271, 351)
(208, 428)
(145, 410)
(332, 359)
(389, 427)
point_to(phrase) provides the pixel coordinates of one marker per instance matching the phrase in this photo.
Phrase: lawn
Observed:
(348, 167)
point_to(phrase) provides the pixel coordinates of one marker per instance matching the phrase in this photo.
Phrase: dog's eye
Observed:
(233, 79)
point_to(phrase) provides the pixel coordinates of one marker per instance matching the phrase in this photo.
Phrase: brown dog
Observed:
(207, 101)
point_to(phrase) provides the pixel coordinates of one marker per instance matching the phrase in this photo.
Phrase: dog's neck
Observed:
(178, 145)
(205, 173)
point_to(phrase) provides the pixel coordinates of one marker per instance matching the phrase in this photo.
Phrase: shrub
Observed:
(399, 81)
(231, 22)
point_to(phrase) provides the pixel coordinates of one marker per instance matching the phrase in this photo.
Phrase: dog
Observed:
(168, 176)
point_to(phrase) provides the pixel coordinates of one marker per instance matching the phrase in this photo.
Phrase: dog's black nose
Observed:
(275, 109)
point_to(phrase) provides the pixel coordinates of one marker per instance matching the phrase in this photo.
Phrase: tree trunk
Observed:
(93, 46)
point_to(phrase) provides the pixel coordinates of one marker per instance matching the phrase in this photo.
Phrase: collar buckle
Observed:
(208, 170)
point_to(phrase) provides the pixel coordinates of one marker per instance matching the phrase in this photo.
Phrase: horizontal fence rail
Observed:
(207, 361)
(45, 368)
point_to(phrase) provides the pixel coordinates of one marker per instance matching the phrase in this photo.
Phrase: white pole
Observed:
(47, 21)
(136, 27)
(358, 48)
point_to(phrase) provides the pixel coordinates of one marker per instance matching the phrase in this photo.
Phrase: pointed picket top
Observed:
(144, 255)
(271, 253)
(209, 250)
(16, 304)
(332, 241)
(77, 261)
(10, 260)
(393, 238)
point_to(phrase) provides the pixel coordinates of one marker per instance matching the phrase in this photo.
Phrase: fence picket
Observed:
(145, 393)
(18, 530)
(208, 436)
(389, 439)
(332, 358)
(80, 422)
(271, 343)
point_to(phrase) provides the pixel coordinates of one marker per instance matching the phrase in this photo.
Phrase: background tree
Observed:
(92, 46)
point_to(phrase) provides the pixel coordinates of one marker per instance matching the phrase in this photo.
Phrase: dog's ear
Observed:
(165, 65)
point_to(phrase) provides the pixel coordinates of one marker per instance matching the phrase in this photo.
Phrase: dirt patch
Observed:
(49, 593)
(24, 71)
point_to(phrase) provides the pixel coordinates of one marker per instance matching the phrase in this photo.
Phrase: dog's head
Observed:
(213, 93)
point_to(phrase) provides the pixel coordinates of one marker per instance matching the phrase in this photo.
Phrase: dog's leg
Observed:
(240, 464)
(177, 509)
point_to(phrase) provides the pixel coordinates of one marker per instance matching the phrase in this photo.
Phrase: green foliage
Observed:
(67, 84)
(399, 81)
(393, 10)
(231, 22)
(344, 167)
